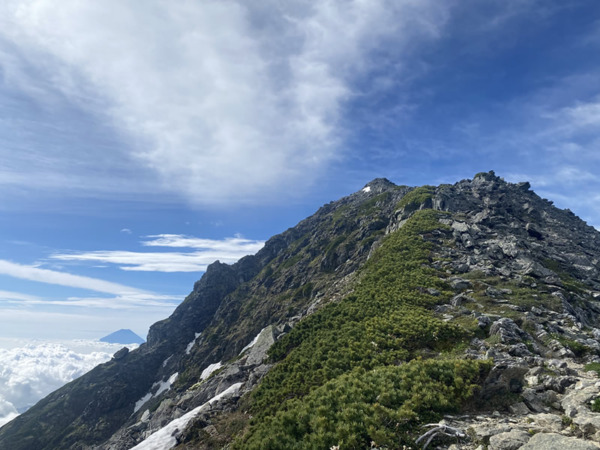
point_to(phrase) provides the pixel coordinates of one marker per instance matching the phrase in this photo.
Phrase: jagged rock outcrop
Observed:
(518, 276)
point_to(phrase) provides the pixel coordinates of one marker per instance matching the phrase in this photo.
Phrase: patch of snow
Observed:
(164, 438)
(189, 347)
(161, 387)
(251, 344)
(367, 189)
(210, 369)
(166, 385)
(165, 362)
(141, 402)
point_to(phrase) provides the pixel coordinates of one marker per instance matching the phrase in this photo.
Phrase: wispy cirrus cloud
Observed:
(33, 273)
(125, 301)
(17, 297)
(227, 101)
(235, 245)
(227, 250)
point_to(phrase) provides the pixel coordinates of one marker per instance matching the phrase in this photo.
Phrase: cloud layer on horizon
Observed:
(29, 373)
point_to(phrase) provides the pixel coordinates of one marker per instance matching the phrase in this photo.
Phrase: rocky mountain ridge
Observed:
(511, 281)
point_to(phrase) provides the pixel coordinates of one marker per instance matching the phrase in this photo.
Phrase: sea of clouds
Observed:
(31, 371)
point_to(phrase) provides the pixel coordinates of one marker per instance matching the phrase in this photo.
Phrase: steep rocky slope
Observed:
(476, 304)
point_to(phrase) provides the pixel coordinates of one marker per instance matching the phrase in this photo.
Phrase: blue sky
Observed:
(139, 141)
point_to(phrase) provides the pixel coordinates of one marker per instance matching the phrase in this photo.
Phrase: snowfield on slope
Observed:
(164, 438)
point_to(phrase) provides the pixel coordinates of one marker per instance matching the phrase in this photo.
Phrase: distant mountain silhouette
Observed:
(123, 337)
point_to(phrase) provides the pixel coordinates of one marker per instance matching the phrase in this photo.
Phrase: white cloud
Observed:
(8, 296)
(565, 175)
(228, 245)
(33, 273)
(226, 100)
(584, 114)
(228, 250)
(576, 118)
(29, 373)
(7, 412)
(126, 301)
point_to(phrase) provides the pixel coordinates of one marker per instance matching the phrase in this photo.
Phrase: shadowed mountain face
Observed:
(384, 310)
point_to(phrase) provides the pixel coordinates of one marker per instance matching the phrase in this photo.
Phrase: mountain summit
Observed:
(464, 314)
(122, 337)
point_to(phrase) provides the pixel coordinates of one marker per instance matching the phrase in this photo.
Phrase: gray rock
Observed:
(558, 363)
(577, 401)
(559, 384)
(121, 353)
(587, 422)
(554, 441)
(535, 401)
(519, 409)
(459, 284)
(519, 349)
(493, 292)
(549, 422)
(536, 311)
(258, 352)
(483, 321)
(459, 299)
(508, 331)
(434, 292)
(483, 432)
(505, 377)
(533, 231)
(511, 440)
(460, 227)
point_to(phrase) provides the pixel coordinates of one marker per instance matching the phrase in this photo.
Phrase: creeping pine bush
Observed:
(383, 405)
(342, 377)
(416, 197)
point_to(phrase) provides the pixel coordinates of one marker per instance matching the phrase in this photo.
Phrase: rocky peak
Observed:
(378, 185)
(510, 280)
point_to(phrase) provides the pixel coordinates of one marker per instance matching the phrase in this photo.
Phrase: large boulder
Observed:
(511, 440)
(507, 331)
(554, 441)
(504, 378)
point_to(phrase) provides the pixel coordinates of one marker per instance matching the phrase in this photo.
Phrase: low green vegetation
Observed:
(416, 197)
(371, 206)
(520, 294)
(577, 348)
(593, 367)
(570, 283)
(350, 374)
(383, 406)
